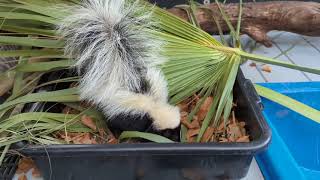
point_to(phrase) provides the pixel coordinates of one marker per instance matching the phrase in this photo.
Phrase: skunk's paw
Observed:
(165, 117)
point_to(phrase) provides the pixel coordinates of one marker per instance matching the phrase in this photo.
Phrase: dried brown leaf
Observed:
(102, 132)
(85, 104)
(113, 141)
(207, 134)
(88, 121)
(221, 126)
(184, 114)
(74, 84)
(36, 172)
(222, 139)
(253, 64)
(204, 108)
(195, 123)
(196, 98)
(186, 123)
(69, 110)
(184, 119)
(234, 132)
(192, 132)
(23, 177)
(243, 139)
(191, 139)
(183, 106)
(266, 68)
(84, 138)
(25, 164)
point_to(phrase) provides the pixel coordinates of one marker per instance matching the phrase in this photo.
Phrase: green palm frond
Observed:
(196, 58)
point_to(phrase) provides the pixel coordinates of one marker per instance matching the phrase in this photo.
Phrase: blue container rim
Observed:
(276, 168)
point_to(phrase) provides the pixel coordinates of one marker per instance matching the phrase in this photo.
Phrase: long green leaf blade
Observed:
(66, 95)
(148, 136)
(45, 66)
(290, 103)
(29, 41)
(267, 60)
(42, 53)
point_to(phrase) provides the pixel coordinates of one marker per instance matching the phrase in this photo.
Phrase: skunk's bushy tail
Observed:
(113, 46)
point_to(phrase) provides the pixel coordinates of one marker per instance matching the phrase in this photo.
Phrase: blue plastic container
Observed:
(294, 152)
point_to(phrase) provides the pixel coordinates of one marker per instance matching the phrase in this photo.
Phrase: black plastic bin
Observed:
(175, 161)
(9, 167)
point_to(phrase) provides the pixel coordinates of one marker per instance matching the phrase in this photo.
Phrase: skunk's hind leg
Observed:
(163, 115)
(153, 102)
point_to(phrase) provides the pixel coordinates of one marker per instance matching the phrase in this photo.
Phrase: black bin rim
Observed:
(150, 148)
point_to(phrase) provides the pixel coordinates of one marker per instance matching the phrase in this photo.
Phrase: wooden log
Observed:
(259, 18)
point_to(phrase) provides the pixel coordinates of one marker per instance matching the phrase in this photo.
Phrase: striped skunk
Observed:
(118, 60)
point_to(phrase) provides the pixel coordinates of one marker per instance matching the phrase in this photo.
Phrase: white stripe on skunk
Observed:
(118, 58)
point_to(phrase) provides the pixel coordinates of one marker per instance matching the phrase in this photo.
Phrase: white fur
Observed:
(112, 43)
(158, 84)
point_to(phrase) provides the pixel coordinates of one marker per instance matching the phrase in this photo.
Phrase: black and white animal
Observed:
(119, 58)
